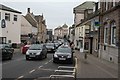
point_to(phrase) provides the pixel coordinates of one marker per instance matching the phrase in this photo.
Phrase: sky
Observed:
(55, 12)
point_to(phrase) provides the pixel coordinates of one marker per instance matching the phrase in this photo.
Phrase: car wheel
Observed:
(46, 56)
(27, 58)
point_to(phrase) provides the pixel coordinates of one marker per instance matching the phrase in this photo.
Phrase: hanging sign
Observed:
(3, 23)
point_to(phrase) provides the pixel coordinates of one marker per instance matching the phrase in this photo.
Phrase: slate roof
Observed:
(2, 7)
(31, 19)
(83, 6)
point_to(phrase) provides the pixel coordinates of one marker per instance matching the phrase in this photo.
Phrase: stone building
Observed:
(109, 30)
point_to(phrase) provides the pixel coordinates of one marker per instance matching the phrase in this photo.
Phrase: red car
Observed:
(25, 48)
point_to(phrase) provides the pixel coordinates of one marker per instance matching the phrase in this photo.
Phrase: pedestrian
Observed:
(72, 45)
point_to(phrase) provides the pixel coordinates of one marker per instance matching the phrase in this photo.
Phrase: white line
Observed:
(46, 63)
(32, 71)
(40, 66)
(20, 77)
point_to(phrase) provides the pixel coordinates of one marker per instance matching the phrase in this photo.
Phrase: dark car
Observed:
(50, 47)
(63, 54)
(36, 51)
(7, 51)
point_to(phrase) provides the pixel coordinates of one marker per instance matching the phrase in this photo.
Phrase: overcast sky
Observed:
(56, 12)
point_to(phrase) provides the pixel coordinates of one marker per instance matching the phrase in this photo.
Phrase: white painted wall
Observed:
(26, 27)
(13, 28)
(78, 18)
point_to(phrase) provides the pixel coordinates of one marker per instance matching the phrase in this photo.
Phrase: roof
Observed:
(38, 17)
(31, 20)
(2, 7)
(65, 26)
(83, 6)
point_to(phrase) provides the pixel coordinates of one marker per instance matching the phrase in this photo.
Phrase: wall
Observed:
(13, 28)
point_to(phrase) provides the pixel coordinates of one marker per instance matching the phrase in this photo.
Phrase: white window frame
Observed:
(7, 15)
(113, 25)
(114, 3)
(106, 34)
(106, 7)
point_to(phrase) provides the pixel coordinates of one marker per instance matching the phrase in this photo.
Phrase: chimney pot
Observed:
(28, 10)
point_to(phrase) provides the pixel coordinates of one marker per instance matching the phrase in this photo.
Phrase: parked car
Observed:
(50, 47)
(7, 51)
(25, 48)
(36, 51)
(63, 54)
(56, 45)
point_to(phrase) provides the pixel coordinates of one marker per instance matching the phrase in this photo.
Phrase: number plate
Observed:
(32, 55)
(62, 58)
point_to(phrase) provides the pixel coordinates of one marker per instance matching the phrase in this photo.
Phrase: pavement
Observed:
(94, 67)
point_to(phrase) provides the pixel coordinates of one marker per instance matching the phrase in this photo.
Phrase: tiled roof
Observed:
(2, 7)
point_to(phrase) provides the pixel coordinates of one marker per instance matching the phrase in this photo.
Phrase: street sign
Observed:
(3, 23)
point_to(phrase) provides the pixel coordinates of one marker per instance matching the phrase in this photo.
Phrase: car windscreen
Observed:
(35, 47)
(4, 46)
(64, 50)
(49, 44)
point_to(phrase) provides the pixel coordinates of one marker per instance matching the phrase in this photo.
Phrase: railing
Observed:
(65, 69)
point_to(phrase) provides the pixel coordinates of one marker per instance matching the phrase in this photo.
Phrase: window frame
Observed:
(7, 15)
(106, 34)
(113, 34)
(15, 17)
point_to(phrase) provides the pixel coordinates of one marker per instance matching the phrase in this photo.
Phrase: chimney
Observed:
(28, 10)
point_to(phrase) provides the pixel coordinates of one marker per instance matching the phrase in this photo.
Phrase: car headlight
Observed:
(55, 55)
(69, 56)
(27, 53)
(38, 53)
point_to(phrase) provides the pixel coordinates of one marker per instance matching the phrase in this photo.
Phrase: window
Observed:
(106, 5)
(113, 33)
(96, 45)
(7, 16)
(2, 40)
(86, 46)
(106, 34)
(15, 17)
(113, 3)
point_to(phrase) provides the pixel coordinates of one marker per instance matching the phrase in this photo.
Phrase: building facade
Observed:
(109, 30)
(38, 22)
(49, 34)
(28, 31)
(10, 29)
(61, 32)
(79, 15)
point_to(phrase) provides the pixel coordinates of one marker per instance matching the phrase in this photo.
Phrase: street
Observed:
(18, 67)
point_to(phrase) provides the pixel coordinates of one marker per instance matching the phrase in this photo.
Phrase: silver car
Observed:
(36, 51)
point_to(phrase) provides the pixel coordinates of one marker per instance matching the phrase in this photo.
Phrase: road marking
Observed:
(46, 63)
(20, 77)
(40, 66)
(32, 71)
(48, 69)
